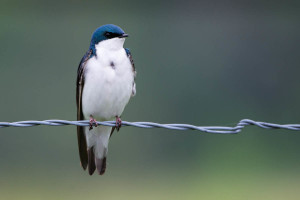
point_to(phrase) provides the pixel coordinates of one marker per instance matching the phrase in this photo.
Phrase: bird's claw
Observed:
(93, 122)
(118, 123)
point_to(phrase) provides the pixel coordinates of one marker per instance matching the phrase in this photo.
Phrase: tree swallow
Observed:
(105, 83)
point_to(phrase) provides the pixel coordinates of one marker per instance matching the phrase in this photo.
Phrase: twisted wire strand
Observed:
(208, 129)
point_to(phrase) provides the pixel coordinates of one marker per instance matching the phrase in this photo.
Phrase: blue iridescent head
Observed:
(106, 32)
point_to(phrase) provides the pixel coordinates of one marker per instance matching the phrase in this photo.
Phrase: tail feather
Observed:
(97, 142)
(94, 162)
(101, 165)
(91, 162)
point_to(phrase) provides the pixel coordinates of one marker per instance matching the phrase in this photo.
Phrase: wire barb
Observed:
(208, 129)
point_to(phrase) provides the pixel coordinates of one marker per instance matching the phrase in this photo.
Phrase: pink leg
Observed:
(118, 123)
(93, 122)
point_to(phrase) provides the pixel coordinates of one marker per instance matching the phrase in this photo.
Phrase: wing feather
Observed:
(83, 154)
(133, 69)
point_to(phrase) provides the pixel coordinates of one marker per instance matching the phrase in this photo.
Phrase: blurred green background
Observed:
(203, 63)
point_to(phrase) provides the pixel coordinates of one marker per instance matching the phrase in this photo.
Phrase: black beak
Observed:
(124, 35)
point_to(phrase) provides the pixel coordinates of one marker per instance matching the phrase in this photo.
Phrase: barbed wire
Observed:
(208, 129)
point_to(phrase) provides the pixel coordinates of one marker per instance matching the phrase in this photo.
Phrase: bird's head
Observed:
(108, 32)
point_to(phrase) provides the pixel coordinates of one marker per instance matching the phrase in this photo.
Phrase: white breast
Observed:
(107, 89)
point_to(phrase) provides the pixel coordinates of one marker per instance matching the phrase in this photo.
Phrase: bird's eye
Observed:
(108, 34)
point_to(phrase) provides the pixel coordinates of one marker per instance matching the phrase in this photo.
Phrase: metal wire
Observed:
(208, 129)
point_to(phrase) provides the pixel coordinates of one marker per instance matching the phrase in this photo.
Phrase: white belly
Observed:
(107, 89)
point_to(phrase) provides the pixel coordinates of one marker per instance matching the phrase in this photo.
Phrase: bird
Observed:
(105, 84)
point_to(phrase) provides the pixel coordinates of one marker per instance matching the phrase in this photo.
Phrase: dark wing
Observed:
(131, 60)
(133, 69)
(80, 129)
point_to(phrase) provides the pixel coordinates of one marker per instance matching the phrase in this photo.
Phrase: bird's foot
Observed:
(118, 123)
(93, 122)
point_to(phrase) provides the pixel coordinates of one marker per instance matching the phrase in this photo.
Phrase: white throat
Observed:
(111, 44)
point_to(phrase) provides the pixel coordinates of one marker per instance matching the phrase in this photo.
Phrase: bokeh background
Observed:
(198, 62)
